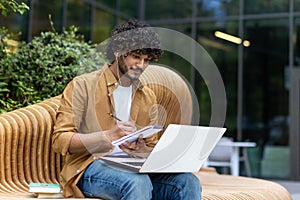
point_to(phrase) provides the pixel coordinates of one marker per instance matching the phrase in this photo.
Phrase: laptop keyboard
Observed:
(134, 163)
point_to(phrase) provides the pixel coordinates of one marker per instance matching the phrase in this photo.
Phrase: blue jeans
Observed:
(103, 181)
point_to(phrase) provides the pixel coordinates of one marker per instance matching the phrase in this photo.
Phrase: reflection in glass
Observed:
(218, 8)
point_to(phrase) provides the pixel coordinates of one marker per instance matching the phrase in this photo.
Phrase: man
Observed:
(86, 125)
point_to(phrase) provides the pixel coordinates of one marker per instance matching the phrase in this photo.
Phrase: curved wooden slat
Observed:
(52, 157)
(31, 143)
(50, 108)
(40, 137)
(7, 180)
(17, 145)
(4, 187)
(56, 160)
(21, 146)
(59, 160)
(46, 143)
(28, 139)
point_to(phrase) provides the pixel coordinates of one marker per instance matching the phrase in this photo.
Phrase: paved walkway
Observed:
(292, 186)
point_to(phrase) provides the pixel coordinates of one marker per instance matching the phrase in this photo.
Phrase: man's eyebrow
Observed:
(149, 56)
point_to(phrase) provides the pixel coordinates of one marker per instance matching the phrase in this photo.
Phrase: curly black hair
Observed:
(134, 36)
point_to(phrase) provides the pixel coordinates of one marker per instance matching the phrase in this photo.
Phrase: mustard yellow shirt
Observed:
(84, 105)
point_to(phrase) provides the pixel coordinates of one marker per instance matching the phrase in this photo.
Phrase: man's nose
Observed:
(140, 62)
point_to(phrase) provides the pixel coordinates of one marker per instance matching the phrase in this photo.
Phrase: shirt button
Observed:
(108, 84)
(94, 157)
(108, 94)
(78, 171)
(116, 83)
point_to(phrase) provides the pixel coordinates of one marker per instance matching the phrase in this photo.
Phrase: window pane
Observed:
(218, 8)
(41, 12)
(224, 54)
(168, 9)
(265, 94)
(297, 42)
(259, 6)
(296, 5)
(108, 3)
(173, 60)
(79, 14)
(128, 8)
(102, 26)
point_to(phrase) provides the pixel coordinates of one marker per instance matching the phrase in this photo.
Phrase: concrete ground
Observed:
(292, 186)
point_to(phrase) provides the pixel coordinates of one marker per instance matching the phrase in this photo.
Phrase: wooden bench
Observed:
(26, 155)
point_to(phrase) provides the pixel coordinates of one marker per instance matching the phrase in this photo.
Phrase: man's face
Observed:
(133, 65)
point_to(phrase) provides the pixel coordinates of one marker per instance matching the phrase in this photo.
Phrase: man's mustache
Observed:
(136, 69)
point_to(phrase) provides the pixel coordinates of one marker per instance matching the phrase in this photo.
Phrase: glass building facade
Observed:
(260, 74)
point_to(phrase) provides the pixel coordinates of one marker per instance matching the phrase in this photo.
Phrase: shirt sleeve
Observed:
(68, 118)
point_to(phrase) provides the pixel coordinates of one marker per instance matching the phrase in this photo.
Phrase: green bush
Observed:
(40, 69)
(7, 6)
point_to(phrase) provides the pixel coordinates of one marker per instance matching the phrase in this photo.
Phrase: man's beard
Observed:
(124, 70)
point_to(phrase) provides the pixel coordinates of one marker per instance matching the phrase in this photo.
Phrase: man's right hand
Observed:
(120, 129)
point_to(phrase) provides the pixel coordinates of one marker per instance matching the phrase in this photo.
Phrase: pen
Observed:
(110, 114)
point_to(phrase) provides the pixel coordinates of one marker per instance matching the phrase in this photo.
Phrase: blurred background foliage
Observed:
(41, 68)
(7, 6)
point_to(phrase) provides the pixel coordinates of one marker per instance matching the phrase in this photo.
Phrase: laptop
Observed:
(182, 148)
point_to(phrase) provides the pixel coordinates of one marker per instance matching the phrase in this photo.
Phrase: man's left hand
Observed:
(137, 148)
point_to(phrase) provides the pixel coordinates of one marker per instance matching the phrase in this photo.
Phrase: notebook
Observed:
(146, 132)
(182, 148)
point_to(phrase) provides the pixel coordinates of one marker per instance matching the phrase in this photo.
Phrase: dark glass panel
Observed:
(41, 12)
(173, 60)
(297, 5)
(79, 14)
(108, 3)
(168, 9)
(128, 8)
(297, 42)
(103, 24)
(260, 7)
(224, 54)
(265, 95)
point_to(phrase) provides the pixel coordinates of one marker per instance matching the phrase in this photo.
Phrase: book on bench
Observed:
(49, 196)
(45, 190)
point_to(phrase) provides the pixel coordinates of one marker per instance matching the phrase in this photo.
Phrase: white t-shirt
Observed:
(122, 99)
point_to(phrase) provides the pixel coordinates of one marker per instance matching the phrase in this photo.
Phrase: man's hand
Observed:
(137, 148)
(120, 129)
